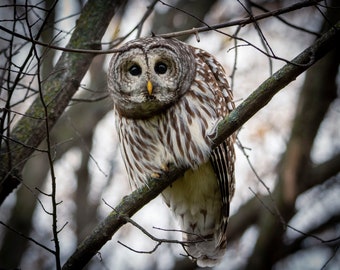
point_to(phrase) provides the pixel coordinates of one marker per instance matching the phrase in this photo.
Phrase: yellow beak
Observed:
(149, 87)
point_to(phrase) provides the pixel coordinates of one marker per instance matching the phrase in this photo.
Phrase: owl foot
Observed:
(165, 167)
(155, 175)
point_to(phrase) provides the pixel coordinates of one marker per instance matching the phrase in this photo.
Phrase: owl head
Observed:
(148, 75)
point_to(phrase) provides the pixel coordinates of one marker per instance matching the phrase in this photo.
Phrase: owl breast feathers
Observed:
(168, 99)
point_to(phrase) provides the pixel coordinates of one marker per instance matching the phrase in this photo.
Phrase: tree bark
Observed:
(57, 91)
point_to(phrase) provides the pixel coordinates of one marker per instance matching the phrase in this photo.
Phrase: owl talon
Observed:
(165, 167)
(155, 175)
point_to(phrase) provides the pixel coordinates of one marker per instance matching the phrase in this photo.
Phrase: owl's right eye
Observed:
(135, 70)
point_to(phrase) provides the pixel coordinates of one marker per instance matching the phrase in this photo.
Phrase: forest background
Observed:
(62, 182)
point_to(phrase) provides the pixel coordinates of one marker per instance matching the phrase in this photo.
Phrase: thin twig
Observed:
(206, 28)
(85, 146)
(242, 22)
(152, 237)
(277, 211)
(285, 21)
(330, 258)
(141, 251)
(49, 150)
(146, 15)
(88, 100)
(232, 75)
(323, 241)
(263, 39)
(27, 237)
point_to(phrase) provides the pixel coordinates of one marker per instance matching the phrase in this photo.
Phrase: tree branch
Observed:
(321, 172)
(58, 90)
(296, 6)
(241, 22)
(264, 93)
(246, 216)
(257, 100)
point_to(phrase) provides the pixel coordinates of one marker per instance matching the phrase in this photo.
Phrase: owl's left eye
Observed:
(161, 68)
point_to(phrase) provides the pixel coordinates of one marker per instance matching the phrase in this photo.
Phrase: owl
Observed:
(168, 99)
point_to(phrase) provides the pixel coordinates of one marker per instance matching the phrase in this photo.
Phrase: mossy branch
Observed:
(257, 100)
(57, 91)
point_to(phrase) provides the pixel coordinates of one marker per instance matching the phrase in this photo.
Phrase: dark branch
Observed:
(321, 172)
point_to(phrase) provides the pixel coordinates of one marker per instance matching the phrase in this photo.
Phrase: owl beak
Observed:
(149, 87)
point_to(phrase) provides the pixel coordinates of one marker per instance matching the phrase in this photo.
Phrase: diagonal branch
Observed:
(257, 100)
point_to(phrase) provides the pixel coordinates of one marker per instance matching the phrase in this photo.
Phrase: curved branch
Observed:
(257, 100)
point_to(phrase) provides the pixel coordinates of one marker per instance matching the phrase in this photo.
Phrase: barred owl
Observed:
(168, 99)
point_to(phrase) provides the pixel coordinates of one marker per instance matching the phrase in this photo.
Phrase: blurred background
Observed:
(286, 209)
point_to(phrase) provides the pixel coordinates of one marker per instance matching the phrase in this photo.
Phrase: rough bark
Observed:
(57, 91)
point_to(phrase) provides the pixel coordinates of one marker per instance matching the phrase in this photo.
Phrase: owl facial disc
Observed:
(147, 77)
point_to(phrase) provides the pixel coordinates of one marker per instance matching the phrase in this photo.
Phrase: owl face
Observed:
(149, 75)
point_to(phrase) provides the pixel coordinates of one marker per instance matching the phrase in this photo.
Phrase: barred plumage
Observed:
(168, 98)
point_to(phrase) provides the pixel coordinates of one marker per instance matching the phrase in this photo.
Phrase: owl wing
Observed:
(223, 156)
(223, 166)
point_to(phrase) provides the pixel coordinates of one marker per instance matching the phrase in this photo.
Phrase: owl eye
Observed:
(135, 70)
(160, 68)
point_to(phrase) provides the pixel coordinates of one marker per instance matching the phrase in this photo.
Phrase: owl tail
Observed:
(207, 250)
(195, 201)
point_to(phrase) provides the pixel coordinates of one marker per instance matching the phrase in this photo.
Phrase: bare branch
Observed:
(27, 237)
(296, 244)
(146, 15)
(285, 21)
(135, 224)
(50, 159)
(276, 211)
(70, 49)
(303, 4)
(330, 258)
